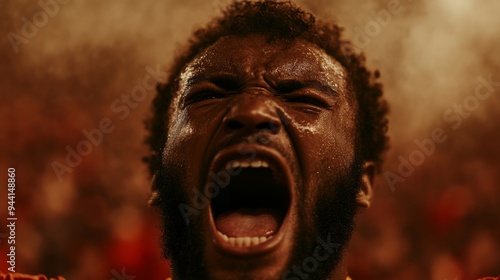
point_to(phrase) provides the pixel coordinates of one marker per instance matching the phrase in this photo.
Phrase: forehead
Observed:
(255, 56)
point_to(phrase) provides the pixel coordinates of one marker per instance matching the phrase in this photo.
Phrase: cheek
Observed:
(188, 137)
(181, 148)
(179, 134)
(326, 149)
(327, 138)
(333, 144)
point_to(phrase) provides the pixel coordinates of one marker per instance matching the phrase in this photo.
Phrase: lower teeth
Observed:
(244, 241)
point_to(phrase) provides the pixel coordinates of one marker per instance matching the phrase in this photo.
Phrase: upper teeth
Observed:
(244, 164)
(244, 241)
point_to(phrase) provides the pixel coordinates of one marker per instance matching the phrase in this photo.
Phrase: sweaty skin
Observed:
(289, 97)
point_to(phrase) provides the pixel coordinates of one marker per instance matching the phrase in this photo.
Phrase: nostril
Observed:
(233, 124)
(270, 125)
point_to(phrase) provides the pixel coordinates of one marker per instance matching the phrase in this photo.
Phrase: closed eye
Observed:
(310, 93)
(304, 99)
(204, 92)
(204, 89)
(204, 96)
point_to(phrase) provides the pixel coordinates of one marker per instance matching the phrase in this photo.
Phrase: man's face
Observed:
(260, 166)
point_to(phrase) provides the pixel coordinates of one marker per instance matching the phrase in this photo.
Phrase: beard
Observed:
(333, 221)
(330, 218)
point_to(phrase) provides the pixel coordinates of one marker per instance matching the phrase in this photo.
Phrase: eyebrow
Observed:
(223, 80)
(231, 82)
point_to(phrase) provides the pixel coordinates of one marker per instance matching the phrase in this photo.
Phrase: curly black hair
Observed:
(285, 21)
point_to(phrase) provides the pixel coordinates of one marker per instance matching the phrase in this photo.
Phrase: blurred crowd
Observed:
(440, 222)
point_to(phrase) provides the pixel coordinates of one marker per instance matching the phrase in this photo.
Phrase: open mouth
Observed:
(251, 210)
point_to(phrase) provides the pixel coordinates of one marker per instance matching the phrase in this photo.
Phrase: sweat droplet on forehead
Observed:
(231, 53)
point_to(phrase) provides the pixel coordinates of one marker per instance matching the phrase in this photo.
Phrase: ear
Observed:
(365, 195)
(155, 194)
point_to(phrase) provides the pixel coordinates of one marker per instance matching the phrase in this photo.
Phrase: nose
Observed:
(252, 114)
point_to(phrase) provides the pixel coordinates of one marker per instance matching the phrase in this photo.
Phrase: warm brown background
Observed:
(441, 223)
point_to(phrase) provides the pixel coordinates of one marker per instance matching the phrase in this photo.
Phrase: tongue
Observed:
(249, 222)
